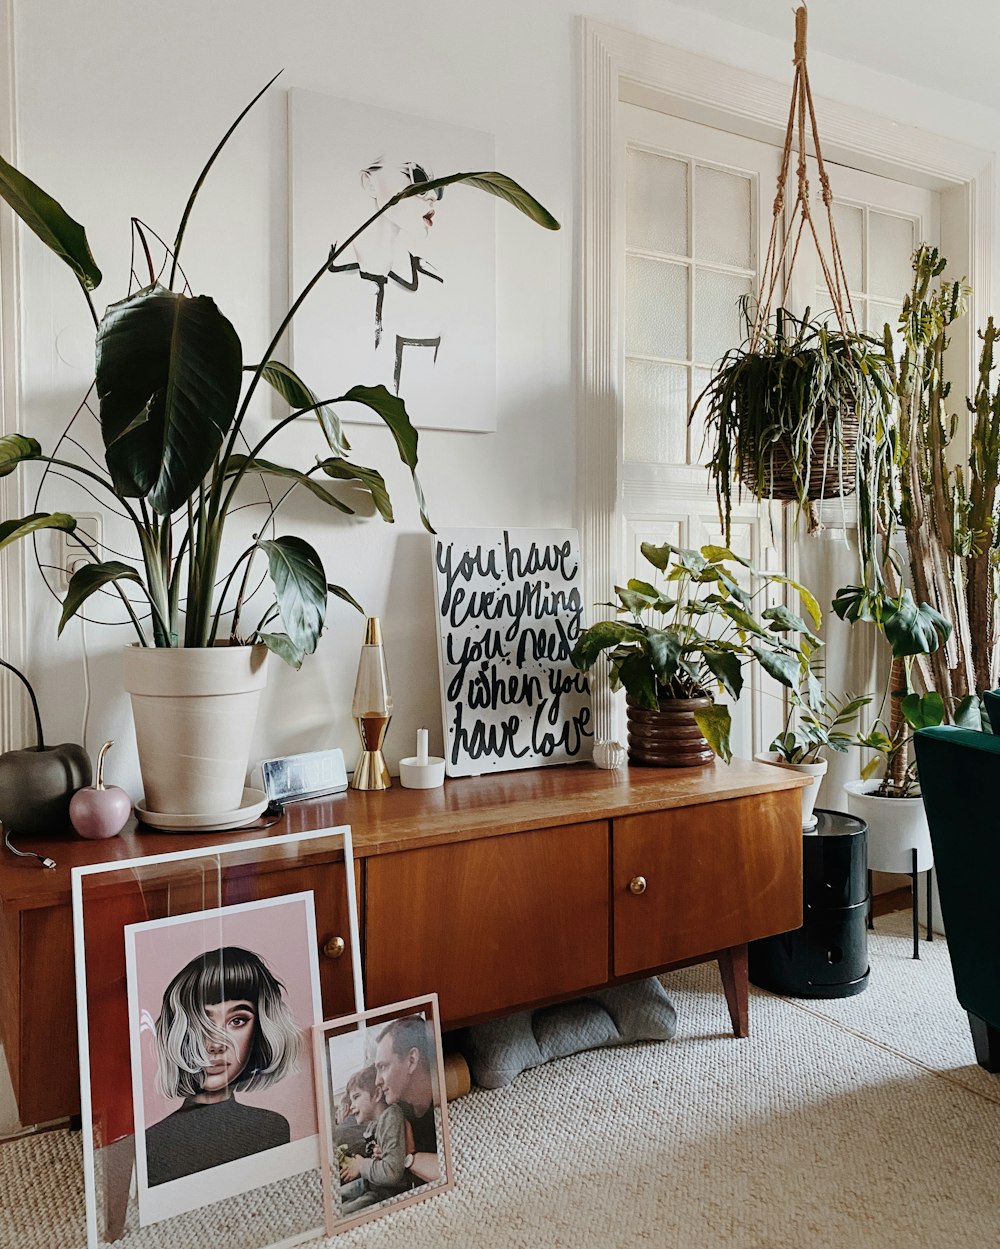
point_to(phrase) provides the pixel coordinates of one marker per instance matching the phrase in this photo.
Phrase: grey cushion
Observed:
(501, 1049)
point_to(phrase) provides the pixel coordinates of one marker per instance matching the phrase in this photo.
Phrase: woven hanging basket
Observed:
(829, 473)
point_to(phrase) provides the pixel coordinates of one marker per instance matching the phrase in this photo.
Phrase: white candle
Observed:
(421, 746)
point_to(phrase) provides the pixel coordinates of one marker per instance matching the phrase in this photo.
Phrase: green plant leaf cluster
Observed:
(174, 394)
(694, 637)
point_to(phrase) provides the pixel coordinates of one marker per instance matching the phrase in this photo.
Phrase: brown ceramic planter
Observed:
(670, 737)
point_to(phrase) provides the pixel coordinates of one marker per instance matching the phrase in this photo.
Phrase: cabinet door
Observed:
(490, 924)
(715, 875)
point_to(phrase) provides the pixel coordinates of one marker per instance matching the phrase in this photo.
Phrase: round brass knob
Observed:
(335, 947)
(637, 885)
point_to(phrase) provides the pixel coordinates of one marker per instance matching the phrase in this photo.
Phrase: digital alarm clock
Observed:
(311, 775)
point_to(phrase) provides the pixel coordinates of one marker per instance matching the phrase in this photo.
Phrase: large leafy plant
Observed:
(174, 393)
(696, 636)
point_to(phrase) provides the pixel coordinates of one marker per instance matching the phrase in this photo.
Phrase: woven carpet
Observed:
(863, 1121)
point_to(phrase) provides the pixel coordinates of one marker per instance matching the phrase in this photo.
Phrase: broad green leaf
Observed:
(923, 712)
(599, 637)
(88, 580)
(637, 677)
(664, 648)
(643, 587)
(725, 666)
(369, 478)
(13, 449)
(635, 601)
(497, 184)
(870, 768)
(283, 646)
(809, 601)
(969, 713)
(168, 378)
(853, 603)
(658, 556)
(11, 530)
(341, 593)
(53, 225)
(715, 724)
(784, 621)
(742, 619)
(720, 554)
(911, 629)
(236, 462)
(298, 395)
(392, 410)
(784, 668)
(299, 587)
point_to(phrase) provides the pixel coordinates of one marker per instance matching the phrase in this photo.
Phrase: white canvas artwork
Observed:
(411, 304)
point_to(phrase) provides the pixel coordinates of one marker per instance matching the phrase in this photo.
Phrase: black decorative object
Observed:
(827, 956)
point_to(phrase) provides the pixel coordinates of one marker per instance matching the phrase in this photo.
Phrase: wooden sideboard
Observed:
(497, 892)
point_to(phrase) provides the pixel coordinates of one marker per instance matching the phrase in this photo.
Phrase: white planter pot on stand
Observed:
(898, 840)
(194, 711)
(811, 792)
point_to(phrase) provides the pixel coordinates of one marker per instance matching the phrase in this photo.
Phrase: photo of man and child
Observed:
(386, 1109)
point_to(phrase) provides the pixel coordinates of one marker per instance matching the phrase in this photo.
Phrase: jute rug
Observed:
(861, 1122)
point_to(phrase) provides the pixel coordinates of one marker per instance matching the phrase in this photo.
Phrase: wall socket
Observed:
(72, 554)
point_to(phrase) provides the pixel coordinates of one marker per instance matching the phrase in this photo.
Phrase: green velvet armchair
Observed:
(960, 783)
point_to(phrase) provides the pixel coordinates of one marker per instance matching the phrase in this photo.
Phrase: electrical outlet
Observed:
(72, 553)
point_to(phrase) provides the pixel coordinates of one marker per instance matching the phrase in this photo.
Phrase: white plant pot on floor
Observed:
(896, 826)
(811, 792)
(194, 711)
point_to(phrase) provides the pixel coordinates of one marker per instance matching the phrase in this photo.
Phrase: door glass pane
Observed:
(656, 212)
(717, 321)
(878, 315)
(890, 247)
(656, 298)
(848, 221)
(722, 217)
(655, 412)
(698, 451)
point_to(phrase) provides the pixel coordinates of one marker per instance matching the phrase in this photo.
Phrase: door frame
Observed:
(620, 65)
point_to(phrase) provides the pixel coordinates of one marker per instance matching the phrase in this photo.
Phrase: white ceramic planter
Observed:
(895, 827)
(811, 792)
(194, 711)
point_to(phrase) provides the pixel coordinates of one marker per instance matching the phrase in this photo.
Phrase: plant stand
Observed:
(913, 873)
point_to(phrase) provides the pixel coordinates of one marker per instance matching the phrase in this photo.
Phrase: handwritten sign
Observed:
(510, 612)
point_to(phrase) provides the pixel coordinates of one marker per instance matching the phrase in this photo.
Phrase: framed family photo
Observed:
(199, 979)
(383, 1111)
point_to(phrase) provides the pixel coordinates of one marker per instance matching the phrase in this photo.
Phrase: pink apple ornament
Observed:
(100, 810)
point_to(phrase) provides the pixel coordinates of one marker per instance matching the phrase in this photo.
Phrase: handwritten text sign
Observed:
(510, 611)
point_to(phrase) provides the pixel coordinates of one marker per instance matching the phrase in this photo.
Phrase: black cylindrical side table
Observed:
(828, 955)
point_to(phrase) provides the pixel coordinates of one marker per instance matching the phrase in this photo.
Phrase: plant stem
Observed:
(34, 701)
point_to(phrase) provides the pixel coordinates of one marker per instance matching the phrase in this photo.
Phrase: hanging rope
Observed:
(787, 235)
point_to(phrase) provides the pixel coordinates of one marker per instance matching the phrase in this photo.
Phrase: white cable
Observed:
(86, 683)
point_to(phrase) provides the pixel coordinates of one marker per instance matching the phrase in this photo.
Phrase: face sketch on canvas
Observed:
(389, 255)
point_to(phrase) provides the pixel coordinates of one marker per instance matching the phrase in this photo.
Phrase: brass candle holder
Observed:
(372, 711)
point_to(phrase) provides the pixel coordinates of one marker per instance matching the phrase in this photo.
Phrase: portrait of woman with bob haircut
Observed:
(224, 1027)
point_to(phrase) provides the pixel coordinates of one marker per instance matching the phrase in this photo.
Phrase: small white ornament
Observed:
(610, 755)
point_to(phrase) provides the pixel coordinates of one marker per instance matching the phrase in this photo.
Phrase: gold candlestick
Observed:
(372, 711)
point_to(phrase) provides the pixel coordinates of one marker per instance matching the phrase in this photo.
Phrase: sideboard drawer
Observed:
(693, 879)
(489, 924)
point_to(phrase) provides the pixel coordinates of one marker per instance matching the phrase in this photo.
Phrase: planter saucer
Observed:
(254, 802)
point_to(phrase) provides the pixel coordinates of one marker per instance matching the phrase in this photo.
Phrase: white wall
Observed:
(118, 103)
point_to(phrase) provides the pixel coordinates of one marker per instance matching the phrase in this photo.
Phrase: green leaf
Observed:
(809, 601)
(40, 212)
(637, 677)
(11, 530)
(659, 556)
(88, 580)
(742, 619)
(299, 587)
(715, 724)
(636, 601)
(497, 184)
(599, 637)
(925, 712)
(785, 621)
(969, 713)
(393, 412)
(725, 666)
(298, 395)
(236, 462)
(13, 449)
(168, 378)
(664, 649)
(854, 603)
(283, 646)
(912, 629)
(784, 668)
(369, 478)
(339, 592)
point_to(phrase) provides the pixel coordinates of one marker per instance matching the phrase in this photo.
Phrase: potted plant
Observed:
(814, 725)
(174, 392)
(677, 646)
(799, 413)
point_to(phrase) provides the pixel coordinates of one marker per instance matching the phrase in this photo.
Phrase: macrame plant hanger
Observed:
(787, 235)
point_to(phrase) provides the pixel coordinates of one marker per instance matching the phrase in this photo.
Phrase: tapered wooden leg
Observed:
(118, 1160)
(733, 968)
(986, 1039)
